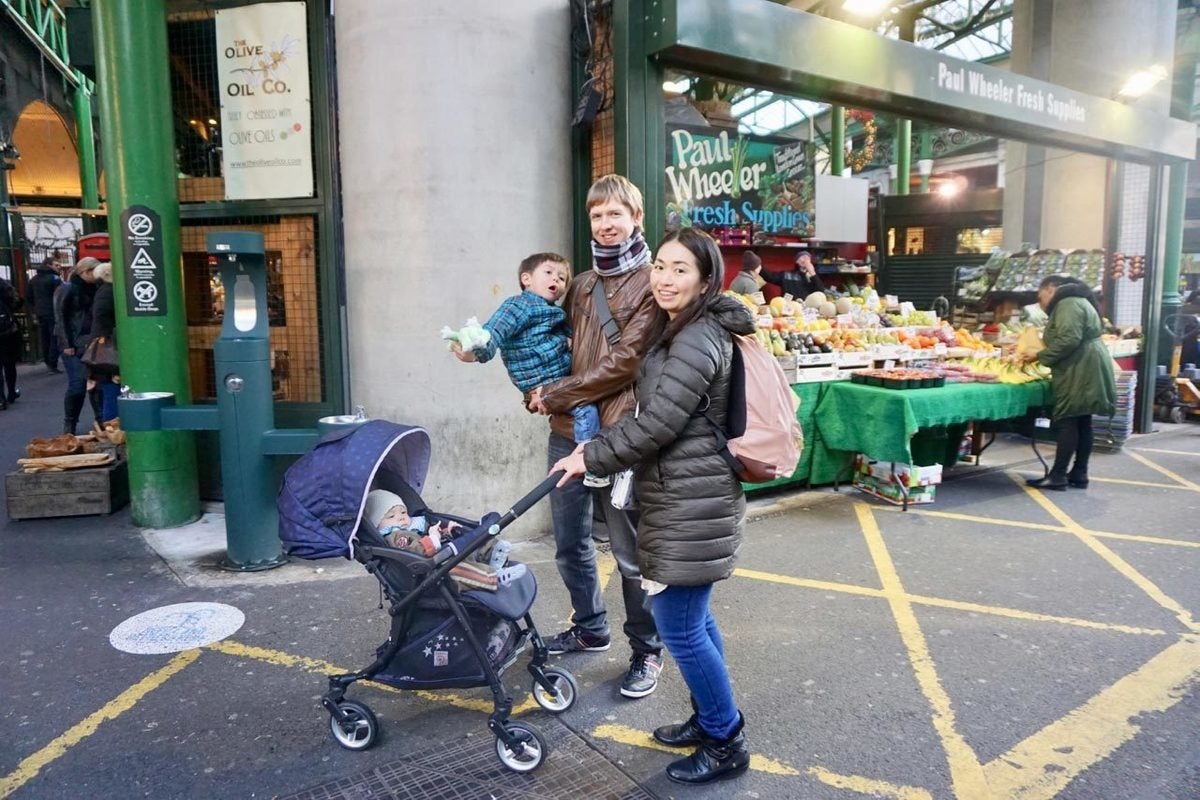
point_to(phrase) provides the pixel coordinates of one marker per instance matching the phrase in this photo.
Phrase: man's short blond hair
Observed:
(619, 188)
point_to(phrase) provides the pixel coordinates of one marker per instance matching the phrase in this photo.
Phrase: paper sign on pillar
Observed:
(266, 113)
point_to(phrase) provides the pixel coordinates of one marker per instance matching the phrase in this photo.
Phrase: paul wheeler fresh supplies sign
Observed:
(715, 180)
(266, 115)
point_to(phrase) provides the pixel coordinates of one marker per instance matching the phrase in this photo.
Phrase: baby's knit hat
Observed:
(750, 261)
(379, 501)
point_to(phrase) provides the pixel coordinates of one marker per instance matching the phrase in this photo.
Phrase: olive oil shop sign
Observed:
(715, 181)
(266, 114)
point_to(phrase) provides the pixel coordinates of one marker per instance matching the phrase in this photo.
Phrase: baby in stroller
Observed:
(388, 513)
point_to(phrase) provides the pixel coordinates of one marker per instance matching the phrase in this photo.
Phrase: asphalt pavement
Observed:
(999, 643)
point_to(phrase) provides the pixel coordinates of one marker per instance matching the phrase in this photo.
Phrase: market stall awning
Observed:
(774, 47)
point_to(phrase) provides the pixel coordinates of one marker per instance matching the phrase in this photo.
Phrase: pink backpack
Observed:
(761, 438)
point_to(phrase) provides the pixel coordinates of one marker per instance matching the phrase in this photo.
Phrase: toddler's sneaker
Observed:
(499, 554)
(596, 481)
(509, 574)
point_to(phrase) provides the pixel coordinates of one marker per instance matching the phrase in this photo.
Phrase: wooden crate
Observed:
(71, 493)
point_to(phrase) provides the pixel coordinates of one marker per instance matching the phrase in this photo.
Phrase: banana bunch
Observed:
(1007, 370)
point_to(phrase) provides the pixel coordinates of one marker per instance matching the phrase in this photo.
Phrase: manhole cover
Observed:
(178, 627)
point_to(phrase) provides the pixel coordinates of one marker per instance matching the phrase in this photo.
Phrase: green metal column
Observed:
(837, 140)
(639, 127)
(903, 154)
(1173, 251)
(925, 151)
(135, 124)
(85, 143)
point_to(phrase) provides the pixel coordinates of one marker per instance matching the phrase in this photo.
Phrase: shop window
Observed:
(979, 240)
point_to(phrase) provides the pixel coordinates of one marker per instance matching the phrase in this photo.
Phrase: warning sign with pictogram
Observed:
(145, 293)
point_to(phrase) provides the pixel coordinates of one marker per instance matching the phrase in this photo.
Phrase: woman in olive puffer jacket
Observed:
(690, 503)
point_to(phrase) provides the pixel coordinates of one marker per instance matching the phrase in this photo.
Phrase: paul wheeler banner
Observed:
(718, 180)
(266, 115)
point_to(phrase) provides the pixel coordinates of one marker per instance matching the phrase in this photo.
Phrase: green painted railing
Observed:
(44, 22)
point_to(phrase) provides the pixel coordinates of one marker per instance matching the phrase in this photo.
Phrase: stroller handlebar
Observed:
(528, 501)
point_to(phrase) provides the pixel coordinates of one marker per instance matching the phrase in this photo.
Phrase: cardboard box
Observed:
(908, 474)
(893, 493)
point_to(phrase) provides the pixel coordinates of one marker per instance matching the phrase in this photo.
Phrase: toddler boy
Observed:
(531, 333)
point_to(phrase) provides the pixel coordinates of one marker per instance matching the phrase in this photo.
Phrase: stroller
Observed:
(442, 636)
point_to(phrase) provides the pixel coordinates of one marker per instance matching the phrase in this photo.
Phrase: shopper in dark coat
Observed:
(1081, 377)
(72, 325)
(10, 342)
(104, 325)
(40, 294)
(691, 504)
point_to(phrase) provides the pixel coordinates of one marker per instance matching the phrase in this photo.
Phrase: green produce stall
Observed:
(840, 419)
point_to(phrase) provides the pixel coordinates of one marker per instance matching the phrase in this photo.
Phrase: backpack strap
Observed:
(607, 324)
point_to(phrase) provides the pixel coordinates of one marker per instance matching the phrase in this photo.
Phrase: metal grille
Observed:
(293, 289)
(1126, 306)
(604, 149)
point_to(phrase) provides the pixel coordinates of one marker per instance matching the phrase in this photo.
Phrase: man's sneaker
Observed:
(576, 640)
(596, 481)
(642, 677)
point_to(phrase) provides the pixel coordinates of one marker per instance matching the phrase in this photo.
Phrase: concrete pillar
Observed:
(454, 128)
(1055, 198)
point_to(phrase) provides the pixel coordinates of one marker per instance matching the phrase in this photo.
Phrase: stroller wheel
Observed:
(528, 754)
(564, 691)
(359, 730)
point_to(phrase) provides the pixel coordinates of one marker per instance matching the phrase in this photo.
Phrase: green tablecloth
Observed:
(881, 422)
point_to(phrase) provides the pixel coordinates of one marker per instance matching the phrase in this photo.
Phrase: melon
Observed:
(844, 305)
(828, 310)
(815, 300)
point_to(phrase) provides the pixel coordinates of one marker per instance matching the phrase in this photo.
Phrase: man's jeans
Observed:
(688, 628)
(49, 341)
(571, 511)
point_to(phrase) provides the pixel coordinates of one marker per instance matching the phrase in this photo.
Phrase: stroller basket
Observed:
(441, 636)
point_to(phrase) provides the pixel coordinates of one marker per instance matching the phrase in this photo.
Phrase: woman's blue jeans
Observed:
(689, 631)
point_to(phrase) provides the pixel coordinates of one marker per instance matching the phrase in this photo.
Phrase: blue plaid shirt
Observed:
(531, 334)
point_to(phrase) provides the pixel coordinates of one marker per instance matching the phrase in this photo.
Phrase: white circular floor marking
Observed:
(172, 629)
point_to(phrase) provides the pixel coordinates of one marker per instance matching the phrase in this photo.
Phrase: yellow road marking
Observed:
(966, 773)
(1169, 452)
(282, 659)
(938, 602)
(1147, 484)
(32, 765)
(605, 566)
(1115, 561)
(1042, 765)
(623, 734)
(1181, 481)
(868, 786)
(1040, 526)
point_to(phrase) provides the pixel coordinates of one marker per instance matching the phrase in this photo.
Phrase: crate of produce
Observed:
(893, 492)
(909, 474)
(816, 374)
(69, 493)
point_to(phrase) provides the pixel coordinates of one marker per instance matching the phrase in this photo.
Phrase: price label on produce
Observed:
(889, 364)
(890, 301)
(907, 308)
(845, 320)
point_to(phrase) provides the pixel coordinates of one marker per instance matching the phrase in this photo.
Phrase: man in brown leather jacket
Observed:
(604, 366)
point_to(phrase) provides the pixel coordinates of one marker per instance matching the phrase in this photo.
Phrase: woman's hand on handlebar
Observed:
(572, 466)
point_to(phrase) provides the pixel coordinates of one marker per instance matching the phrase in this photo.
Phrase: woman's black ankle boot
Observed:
(715, 759)
(680, 735)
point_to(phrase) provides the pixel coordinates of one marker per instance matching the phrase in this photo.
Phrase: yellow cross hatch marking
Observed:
(32, 765)
(1156, 450)
(1042, 765)
(1038, 526)
(1181, 481)
(966, 773)
(938, 602)
(856, 783)
(1115, 561)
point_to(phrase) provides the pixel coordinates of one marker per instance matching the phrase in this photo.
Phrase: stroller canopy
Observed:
(323, 495)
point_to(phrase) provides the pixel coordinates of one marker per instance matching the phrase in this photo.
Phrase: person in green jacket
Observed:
(1081, 377)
